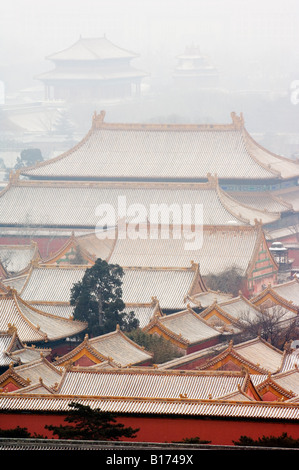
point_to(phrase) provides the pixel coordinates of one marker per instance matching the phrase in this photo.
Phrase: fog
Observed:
(254, 45)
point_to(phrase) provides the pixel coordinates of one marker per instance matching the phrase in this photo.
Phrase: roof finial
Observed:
(98, 119)
(238, 121)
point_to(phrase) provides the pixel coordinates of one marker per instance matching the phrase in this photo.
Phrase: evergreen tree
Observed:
(283, 441)
(97, 299)
(29, 157)
(162, 349)
(89, 424)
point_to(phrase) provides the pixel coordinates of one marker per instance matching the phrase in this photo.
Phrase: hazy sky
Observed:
(254, 44)
(32, 29)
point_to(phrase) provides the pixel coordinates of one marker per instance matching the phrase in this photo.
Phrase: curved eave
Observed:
(13, 402)
(279, 166)
(271, 167)
(71, 328)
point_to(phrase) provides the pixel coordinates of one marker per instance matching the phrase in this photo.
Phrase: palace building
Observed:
(92, 69)
(171, 152)
(215, 390)
(243, 189)
(252, 176)
(194, 71)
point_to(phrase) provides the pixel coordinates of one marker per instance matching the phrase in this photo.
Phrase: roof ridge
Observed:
(98, 123)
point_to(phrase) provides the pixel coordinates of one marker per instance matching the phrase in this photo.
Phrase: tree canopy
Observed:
(230, 281)
(272, 324)
(162, 349)
(29, 157)
(89, 424)
(283, 441)
(97, 299)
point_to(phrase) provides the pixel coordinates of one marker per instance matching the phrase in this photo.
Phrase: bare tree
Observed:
(274, 324)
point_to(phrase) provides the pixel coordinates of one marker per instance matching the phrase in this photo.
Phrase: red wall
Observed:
(203, 345)
(84, 361)
(10, 387)
(269, 396)
(46, 246)
(155, 429)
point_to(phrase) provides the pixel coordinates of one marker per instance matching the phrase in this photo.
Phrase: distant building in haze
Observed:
(193, 70)
(92, 68)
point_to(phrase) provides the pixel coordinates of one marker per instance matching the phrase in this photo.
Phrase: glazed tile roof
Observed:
(218, 249)
(12, 350)
(16, 258)
(166, 151)
(26, 203)
(225, 248)
(291, 360)
(56, 309)
(34, 371)
(261, 353)
(144, 312)
(284, 295)
(93, 49)
(257, 355)
(33, 325)
(228, 316)
(186, 360)
(115, 347)
(157, 252)
(289, 291)
(51, 283)
(288, 380)
(15, 282)
(276, 233)
(216, 408)
(149, 383)
(29, 354)
(262, 201)
(169, 286)
(291, 197)
(205, 299)
(95, 247)
(240, 308)
(7, 345)
(99, 73)
(36, 389)
(185, 326)
(179, 407)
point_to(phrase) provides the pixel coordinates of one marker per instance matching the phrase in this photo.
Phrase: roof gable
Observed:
(257, 356)
(283, 386)
(71, 253)
(273, 295)
(230, 312)
(113, 347)
(29, 374)
(183, 328)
